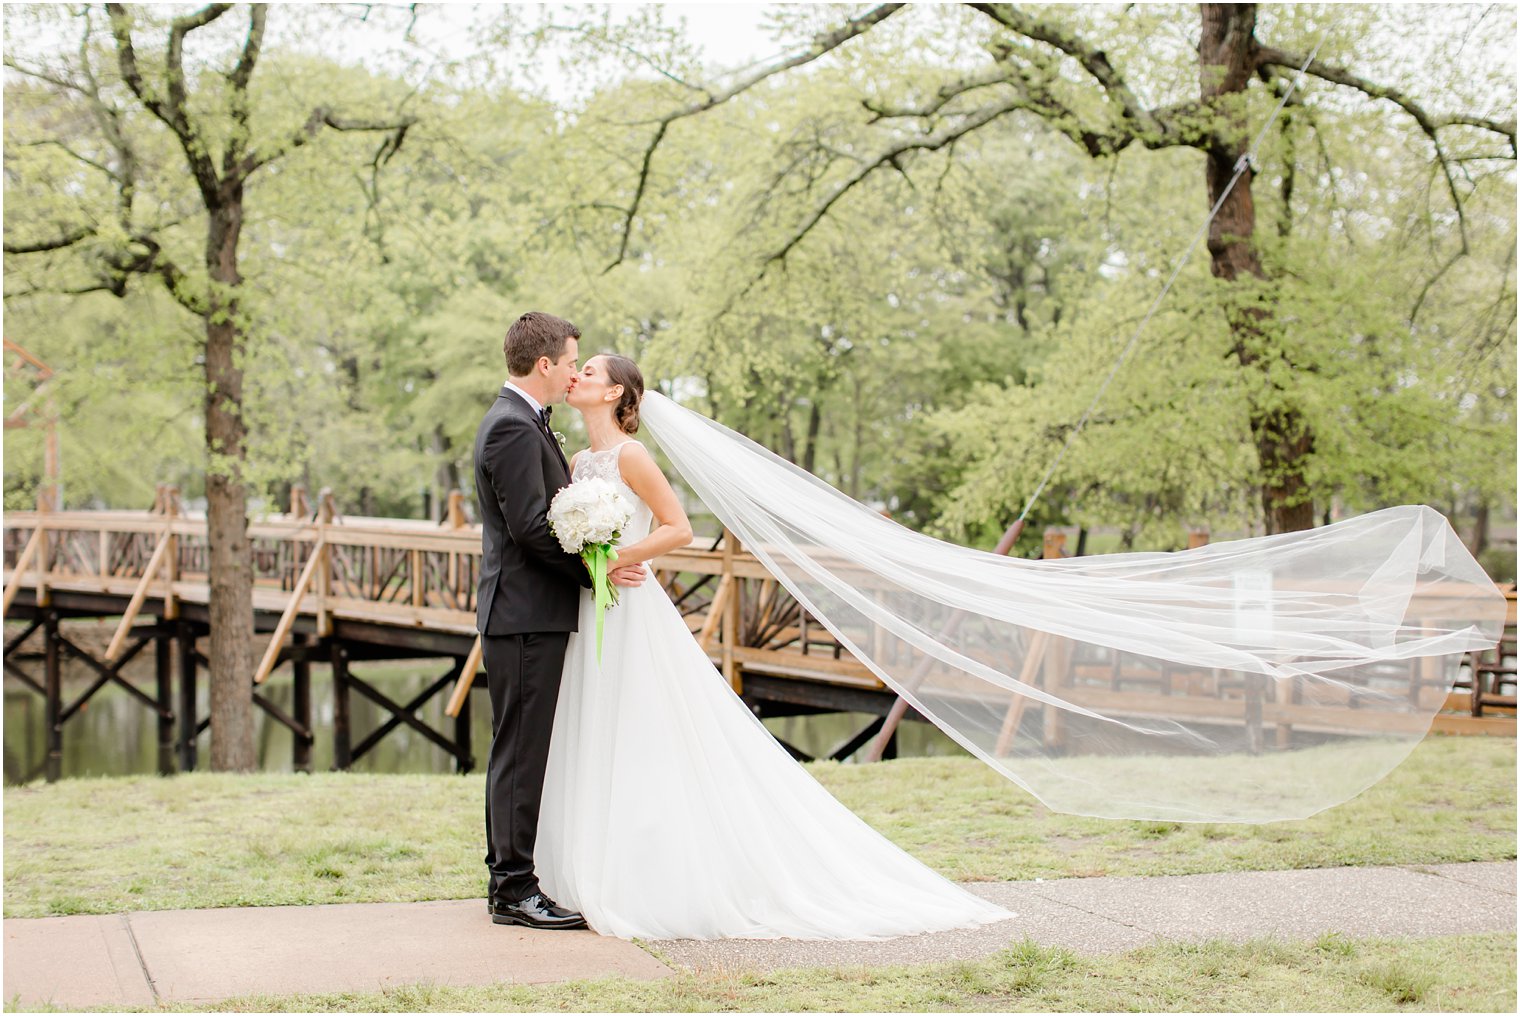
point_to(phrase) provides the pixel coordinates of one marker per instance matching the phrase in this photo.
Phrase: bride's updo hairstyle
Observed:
(623, 371)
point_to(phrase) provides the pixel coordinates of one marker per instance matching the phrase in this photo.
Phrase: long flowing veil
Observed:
(1247, 681)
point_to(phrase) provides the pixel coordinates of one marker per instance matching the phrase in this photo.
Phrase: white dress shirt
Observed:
(531, 400)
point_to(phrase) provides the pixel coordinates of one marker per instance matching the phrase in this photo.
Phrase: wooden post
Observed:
(1033, 659)
(1284, 728)
(188, 721)
(715, 611)
(1055, 544)
(33, 545)
(288, 616)
(1057, 662)
(1255, 741)
(1197, 538)
(731, 613)
(163, 660)
(325, 513)
(52, 677)
(155, 562)
(457, 519)
(457, 516)
(342, 734)
(173, 508)
(44, 564)
(300, 668)
(460, 697)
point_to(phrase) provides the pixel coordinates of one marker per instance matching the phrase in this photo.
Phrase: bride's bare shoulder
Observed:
(637, 465)
(633, 448)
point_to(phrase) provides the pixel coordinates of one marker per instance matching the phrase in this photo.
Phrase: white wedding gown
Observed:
(670, 812)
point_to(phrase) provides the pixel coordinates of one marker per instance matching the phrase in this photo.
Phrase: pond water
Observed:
(116, 735)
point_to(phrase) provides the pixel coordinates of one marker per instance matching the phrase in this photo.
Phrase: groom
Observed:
(527, 606)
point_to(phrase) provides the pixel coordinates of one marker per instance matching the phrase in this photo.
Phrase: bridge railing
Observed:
(410, 573)
(420, 574)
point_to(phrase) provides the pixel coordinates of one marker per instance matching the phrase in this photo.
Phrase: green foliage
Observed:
(928, 346)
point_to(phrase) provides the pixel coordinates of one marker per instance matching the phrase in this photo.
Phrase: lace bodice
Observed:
(603, 465)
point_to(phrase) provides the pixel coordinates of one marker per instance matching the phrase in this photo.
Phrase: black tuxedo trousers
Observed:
(527, 605)
(523, 673)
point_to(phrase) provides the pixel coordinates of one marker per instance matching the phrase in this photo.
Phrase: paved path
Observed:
(190, 956)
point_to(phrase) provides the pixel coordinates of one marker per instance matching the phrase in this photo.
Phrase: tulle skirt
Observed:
(670, 812)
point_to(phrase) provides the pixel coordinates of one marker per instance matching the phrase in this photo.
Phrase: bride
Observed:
(669, 811)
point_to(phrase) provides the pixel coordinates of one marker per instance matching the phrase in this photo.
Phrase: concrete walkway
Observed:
(194, 956)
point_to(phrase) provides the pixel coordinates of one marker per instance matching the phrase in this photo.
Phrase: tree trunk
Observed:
(445, 476)
(815, 423)
(231, 607)
(1480, 528)
(1284, 442)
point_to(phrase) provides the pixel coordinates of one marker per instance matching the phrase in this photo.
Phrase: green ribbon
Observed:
(597, 557)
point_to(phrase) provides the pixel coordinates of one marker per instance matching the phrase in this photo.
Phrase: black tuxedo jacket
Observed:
(527, 582)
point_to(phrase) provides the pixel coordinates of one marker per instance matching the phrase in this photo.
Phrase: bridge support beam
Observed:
(300, 668)
(163, 660)
(52, 679)
(342, 731)
(466, 758)
(189, 726)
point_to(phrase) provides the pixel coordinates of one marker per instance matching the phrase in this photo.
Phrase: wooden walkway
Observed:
(334, 590)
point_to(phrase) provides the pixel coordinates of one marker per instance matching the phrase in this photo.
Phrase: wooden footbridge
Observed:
(340, 591)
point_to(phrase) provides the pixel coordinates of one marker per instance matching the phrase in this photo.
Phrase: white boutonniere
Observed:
(560, 438)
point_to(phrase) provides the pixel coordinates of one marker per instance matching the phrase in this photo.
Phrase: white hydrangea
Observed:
(588, 512)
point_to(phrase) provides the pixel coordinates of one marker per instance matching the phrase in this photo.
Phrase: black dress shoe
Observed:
(537, 911)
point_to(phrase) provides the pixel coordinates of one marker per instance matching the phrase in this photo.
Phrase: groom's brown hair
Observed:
(533, 335)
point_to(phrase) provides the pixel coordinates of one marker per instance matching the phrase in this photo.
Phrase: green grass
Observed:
(1469, 973)
(1452, 800)
(206, 840)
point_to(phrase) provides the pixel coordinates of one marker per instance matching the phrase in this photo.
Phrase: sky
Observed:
(728, 35)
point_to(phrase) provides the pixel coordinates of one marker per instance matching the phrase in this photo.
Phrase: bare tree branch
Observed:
(237, 81)
(1139, 119)
(175, 62)
(153, 261)
(638, 55)
(77, 156)
(251, 48)
(171, 113)
(319, 118)
(1428, 123)
(890, 156)
(116, 287)
(822, 44)
(997, 74)
(68, 239)
(1267, 56)
(109, 120)
(43, 76)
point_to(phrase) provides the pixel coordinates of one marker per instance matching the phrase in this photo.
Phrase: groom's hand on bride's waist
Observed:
(628, 575)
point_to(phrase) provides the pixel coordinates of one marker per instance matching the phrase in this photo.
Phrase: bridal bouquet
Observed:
(587, 517)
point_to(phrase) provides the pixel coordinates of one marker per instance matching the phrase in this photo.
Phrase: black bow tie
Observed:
(544, 414)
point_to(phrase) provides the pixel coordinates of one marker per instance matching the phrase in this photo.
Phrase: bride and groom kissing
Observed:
(631, 790)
